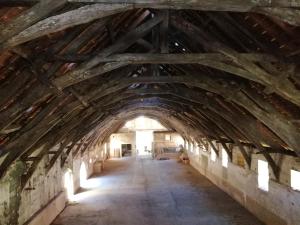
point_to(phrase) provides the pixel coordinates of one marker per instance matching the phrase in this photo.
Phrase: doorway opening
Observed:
(126, 149)
(144, 141)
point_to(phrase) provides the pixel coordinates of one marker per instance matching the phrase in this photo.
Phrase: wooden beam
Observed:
(285, 10)
(290, 16)
(218, 110)
(278, 83)
(63, 21)
(189, 58)
(27, 18)
(207, 5)
(14, 3)
(83, 73)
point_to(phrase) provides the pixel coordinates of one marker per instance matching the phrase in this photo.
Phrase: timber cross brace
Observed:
(73, 71)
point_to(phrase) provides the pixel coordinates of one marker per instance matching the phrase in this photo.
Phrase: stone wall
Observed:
(10, 194)
(278, 206)
(43, 197)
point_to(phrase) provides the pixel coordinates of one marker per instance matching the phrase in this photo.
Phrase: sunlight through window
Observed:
(295, 180)
(263, 175)
(224, 158)
(68, 184)
(213, 155)
(83, 175)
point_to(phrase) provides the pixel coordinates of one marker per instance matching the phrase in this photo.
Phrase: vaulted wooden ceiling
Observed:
(72, 72)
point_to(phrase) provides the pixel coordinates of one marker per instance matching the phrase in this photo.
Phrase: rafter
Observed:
(63, 21)
(82, 72)
(165, 58)
(28, 18)
(278, 83)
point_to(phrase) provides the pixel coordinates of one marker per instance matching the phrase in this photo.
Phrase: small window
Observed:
(295, 180)
(224, 158)
(192, 147)
(68, 184)
(168, 137)
(185, 145)
(197, 149)
(213, 155)
(263, 175)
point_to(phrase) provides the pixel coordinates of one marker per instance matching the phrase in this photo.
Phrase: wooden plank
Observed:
(285, 10)
(228, 151)
(213, 147)
(13, 3)
(213, 60)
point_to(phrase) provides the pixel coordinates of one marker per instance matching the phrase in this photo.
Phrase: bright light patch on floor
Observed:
(68, 184)
(295, 180)
(224, 158)
(213, 155)
(83, 175)
(263, 175)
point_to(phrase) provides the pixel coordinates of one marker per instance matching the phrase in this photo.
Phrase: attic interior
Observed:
(223, 75)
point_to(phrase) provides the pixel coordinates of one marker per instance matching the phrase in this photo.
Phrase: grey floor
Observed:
(149, 192)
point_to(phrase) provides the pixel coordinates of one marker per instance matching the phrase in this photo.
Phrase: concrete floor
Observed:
(148, 192)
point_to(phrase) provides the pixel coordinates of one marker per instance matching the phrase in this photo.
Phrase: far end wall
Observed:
(162, 140)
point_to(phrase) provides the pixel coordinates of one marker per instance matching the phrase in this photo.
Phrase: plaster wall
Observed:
(278, 206)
